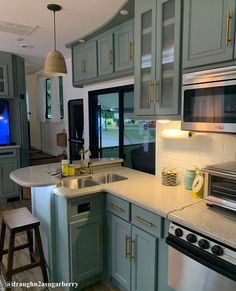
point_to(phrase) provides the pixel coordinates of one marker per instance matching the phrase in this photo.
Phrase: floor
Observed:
(22, 257)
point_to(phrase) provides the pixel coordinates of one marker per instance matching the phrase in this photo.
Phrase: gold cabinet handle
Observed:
(116, 207)
(228, 18)
(131, 57)
(127, 246)
(110, 57)
(156, 90)
(151, 97)
(143, 221)
(84, 66)
(132, 257)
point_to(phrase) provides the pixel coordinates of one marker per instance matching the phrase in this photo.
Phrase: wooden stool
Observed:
(19, 220)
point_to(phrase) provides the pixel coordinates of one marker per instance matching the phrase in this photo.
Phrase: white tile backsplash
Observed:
(200, 150)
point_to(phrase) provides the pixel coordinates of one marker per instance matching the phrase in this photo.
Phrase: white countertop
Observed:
(217, 223)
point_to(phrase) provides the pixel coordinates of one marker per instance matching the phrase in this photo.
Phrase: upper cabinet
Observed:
(3, 80)
(105, 54)
(84, 59)
(124, 46)
(208, 32)
(157, 57)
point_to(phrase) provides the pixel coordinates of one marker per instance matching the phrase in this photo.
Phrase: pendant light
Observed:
(55, 64)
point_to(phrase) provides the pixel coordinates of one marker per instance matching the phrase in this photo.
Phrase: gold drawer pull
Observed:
(139, 219)
(132, 257)
(110, 57)
(127, 246)
(131, 50)
(228, 18)
(116, 207)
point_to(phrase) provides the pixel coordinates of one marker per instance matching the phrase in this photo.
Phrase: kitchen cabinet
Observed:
(105, 53)
(157, 58)
(84, 61)
(124, 46)
(3, 80)
(9, 161)
(132, 251)
(208, 32)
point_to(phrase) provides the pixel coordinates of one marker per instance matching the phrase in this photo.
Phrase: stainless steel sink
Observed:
(79, 183)
(105, 178)
(93, 180)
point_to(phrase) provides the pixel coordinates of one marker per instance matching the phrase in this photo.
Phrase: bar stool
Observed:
(20, 220)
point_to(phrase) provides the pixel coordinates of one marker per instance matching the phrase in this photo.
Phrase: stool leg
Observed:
(41, 255)
(10, 256)
(2, 239)
(30, 241)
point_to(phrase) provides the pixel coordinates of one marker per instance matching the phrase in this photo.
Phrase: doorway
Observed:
(114, 133)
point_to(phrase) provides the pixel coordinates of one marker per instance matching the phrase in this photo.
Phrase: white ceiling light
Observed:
(55, 64)
(124, 12)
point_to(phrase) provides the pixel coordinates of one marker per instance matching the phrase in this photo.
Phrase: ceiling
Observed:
(76, 19)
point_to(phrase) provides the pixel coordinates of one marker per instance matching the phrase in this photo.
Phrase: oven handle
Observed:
(224, 268)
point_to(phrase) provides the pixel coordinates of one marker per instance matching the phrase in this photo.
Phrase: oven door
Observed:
(209, 106)
(190, 268)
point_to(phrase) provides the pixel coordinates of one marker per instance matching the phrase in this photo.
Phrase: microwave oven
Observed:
(220, 185)
(209, 100)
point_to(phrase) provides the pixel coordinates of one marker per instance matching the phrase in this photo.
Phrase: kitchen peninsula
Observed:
(74, 220)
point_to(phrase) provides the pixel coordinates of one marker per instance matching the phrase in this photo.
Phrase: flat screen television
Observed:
(4, 123)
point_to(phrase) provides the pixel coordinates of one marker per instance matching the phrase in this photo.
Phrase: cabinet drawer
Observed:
(8, 153)
(87, 206)
(118, 206)
(146, 220)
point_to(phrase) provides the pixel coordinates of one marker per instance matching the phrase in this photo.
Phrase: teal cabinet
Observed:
(157, 57)
(86, 248)
(9, 161)
(3, 80)
(144, 260)
(105, 54)
(120, 251)
(84, 61)
(124, 46)
(208, 32)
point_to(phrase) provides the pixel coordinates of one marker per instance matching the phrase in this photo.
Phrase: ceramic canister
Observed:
(188, 179)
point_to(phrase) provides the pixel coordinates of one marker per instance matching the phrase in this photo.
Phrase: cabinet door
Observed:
(120, 246)
(86, 248)
(3, 81)
(8, 187)
(105, 54)
(145, 56)
(208, 34)
(124, 46)
(20, 78)
(78, 63)
(144, 265)
(90, 53)
(167, 87)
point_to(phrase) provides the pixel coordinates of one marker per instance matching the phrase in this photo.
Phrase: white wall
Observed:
(199, 150)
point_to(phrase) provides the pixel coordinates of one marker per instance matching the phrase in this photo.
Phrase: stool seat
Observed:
(19, 218)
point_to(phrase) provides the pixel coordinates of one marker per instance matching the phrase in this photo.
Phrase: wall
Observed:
(200, 150)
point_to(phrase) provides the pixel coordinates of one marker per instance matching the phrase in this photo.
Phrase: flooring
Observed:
(34, 275)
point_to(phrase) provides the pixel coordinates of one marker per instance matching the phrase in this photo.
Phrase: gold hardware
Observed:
(116, 207)
(127, 246)
(132, 249)
(138, 218)
(84, 66)
(131, 50)
(156, 91)
(151, 97)
(227, 39)
(110, 57)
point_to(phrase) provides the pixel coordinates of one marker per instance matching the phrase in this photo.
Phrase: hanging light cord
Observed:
(54, 25)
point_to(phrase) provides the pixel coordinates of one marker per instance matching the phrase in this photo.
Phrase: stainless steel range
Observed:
(199, 263)
(220, 185)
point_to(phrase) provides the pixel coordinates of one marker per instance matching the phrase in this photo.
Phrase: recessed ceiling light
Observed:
(124, 12)
(25, 45)
(82, 40)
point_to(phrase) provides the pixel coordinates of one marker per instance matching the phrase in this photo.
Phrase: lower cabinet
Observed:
(9, 161)
(86, 243)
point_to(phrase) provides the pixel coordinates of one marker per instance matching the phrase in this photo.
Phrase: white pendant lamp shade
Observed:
(55, 64)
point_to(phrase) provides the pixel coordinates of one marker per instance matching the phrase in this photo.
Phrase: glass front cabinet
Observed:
(157, 53)
(3, 80)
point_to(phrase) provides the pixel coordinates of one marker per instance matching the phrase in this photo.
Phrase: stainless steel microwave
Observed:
(209, 100)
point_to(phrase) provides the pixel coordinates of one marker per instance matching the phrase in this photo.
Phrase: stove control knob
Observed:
(203, 244)
(191, 238)
(217, 250)
(179, 232)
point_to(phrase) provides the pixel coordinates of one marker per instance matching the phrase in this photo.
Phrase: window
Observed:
(49, 98)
